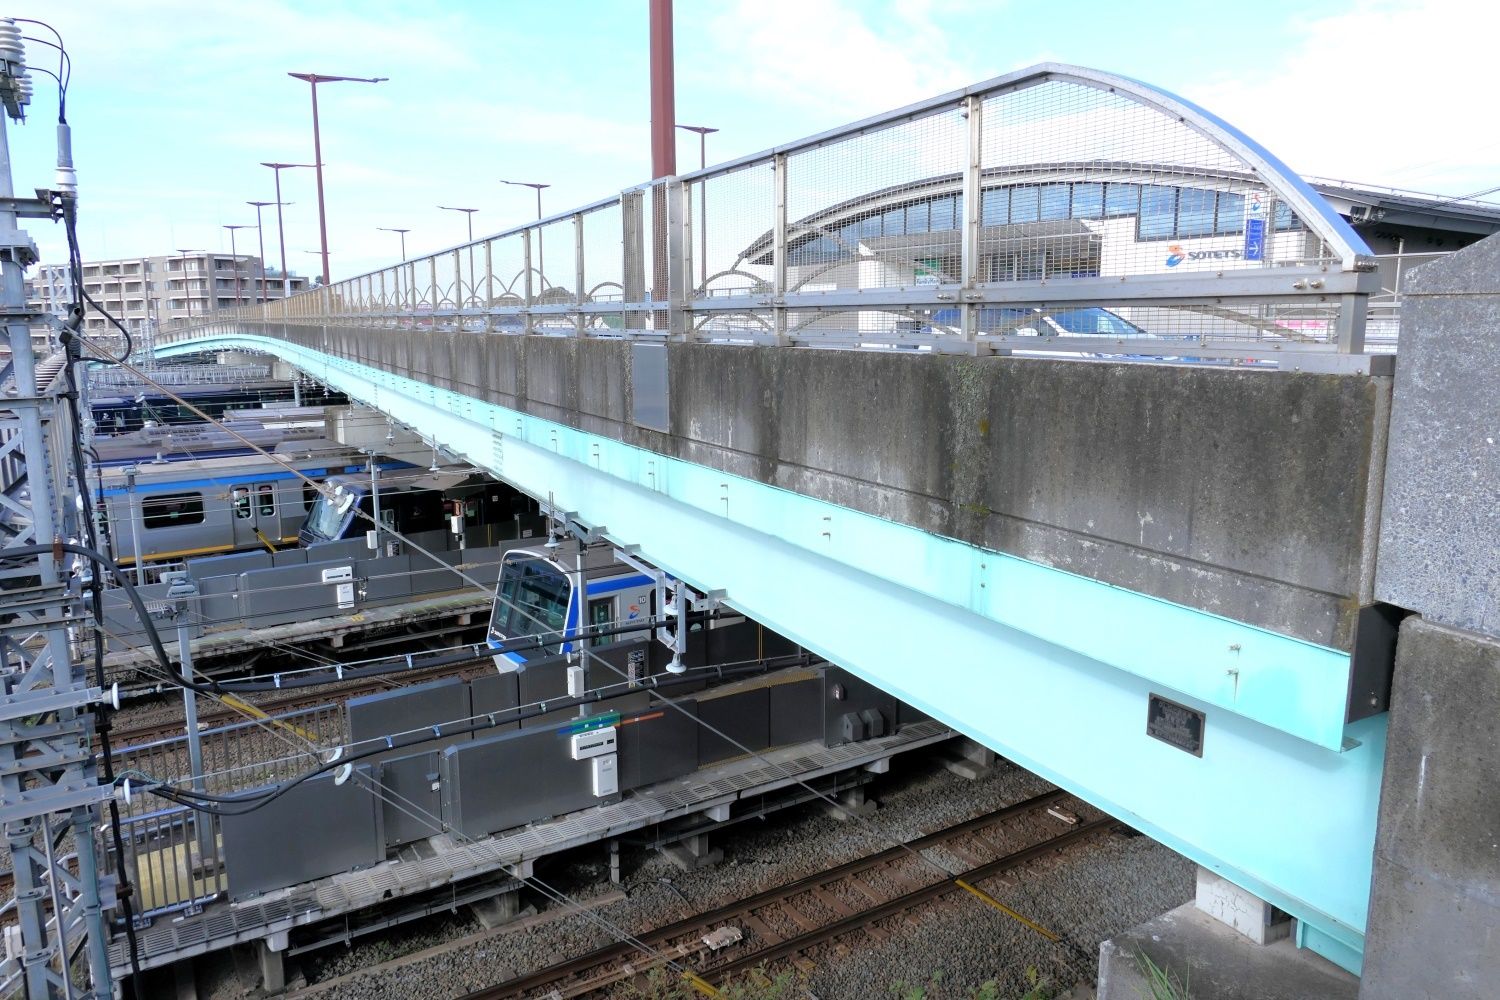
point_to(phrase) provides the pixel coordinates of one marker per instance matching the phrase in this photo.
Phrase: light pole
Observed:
(469, 218)
(402, 232)
(313, 79)
(261, 233)
(540, 266)
(703, 133)
(286, 282)
(469, 215)
(235, 258)
(187, 292)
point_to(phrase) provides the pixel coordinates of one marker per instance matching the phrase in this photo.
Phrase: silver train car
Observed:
(204, 506)
(183, 442)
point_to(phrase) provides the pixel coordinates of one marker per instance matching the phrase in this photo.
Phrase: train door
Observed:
(254, 508)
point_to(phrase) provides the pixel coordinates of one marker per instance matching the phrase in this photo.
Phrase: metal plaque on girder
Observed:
(1175, 724)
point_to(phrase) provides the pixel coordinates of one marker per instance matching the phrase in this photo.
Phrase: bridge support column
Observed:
(270, 953)
(1435, 903)
(692, 853)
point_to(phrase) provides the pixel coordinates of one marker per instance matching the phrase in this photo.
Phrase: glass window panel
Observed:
(1054, 202)
(169, 510)
(1088, 201)
(869, 226)
(1285, 218)
(241, 503)
(1195, 212)
(1024, 204)
(995, 207)
(1122, 199)
(1158, 216)
(894, 222)
(918, 217)
(942, 214)
(1231, 217)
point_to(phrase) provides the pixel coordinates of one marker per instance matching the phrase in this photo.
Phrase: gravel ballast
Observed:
(1087, 894)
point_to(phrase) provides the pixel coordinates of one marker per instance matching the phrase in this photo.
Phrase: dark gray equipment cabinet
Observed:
(412, 806)
(316, 828)
(658, 744)
(442, 705)
(854, 709)
(796, 712)
(510, 780)
(743, 718)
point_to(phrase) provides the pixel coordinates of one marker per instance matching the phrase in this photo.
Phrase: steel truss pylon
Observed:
(49, 792)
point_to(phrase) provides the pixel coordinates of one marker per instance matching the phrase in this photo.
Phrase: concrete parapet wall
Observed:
(1440, 532)
(1434, 923)
(1249, 494)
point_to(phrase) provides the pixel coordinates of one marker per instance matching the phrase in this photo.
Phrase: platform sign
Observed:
(1174, 724)
(1255, 238)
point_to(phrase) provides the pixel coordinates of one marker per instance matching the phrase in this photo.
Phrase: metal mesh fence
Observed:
(1055, 210)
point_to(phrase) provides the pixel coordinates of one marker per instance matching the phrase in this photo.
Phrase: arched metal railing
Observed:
(1054, 209)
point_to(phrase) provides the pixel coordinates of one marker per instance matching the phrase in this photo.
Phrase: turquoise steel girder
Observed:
(1049, 669)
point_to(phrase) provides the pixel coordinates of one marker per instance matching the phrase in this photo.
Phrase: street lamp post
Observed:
(286, 282)
(402, 232)
(468, 217)
(260, 232)
(234, 256)
(540, 265)
(703, 133)
(313, 79)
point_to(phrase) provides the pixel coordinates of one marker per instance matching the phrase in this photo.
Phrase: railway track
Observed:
(124, 737)
(822, 909)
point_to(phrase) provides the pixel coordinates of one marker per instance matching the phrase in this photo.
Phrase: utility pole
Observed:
(663, 147)
(49, 789)
(313, 79)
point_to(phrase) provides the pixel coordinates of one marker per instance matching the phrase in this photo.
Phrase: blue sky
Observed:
(174, 103)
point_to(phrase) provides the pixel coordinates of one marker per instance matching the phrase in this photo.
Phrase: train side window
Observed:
(241, 503)
(267, 505)
(170, 510)
(601, 615)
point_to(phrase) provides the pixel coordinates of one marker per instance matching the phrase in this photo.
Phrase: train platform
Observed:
(448, 861)
(438, 614)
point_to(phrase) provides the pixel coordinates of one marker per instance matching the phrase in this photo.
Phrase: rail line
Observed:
(743, 934)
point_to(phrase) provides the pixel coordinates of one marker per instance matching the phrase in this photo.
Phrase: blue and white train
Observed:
(555, 594)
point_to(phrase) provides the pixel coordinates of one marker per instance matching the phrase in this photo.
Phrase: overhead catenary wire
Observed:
(674, 704)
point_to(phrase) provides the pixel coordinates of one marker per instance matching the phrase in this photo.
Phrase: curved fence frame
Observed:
(626, 266)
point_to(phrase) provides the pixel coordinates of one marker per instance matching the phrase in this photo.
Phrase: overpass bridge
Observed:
(1155, 584)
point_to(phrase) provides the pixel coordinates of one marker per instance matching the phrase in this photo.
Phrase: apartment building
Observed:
(146, 293)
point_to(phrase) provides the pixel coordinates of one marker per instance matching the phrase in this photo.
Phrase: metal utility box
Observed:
(412, 809)
(847, 700)
(510, 780)
(338, 828)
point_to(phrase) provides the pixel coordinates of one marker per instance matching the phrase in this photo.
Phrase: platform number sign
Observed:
(1174, 724)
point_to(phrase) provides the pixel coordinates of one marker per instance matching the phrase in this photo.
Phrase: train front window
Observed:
(326, 520)
(532, 599)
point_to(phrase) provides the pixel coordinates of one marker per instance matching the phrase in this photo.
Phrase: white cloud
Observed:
(1392, 93)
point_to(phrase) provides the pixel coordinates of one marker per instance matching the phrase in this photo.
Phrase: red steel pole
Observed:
(663, 144)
